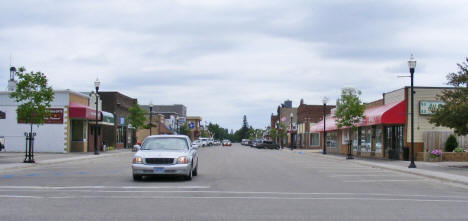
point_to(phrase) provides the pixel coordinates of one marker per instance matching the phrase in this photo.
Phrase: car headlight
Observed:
(182, 160)
(137, 160)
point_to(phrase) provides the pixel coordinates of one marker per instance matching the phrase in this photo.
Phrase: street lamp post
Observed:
(412, 66)
(151, 117)
(96, 84)
(291, 132)
(324, 100)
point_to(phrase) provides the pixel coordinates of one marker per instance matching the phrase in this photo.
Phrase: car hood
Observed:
(161, 153)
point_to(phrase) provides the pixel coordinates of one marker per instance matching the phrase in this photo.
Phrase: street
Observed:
(234, 183)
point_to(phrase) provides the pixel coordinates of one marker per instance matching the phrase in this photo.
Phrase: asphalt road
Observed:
(234, 183)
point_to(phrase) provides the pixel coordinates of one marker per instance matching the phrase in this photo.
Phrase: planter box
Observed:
(455, 156)
(429, 158)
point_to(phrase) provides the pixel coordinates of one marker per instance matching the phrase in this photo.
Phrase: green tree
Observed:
(137, 116)
(451, 143)
(273, 133)
(454, 113)
(34, 97)
(184, 130)
(349, 111)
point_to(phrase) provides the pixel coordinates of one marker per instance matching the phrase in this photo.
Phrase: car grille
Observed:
(159, 160)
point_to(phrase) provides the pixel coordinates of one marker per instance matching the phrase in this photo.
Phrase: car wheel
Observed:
(137, 177)
(195, 172)
(190, 175)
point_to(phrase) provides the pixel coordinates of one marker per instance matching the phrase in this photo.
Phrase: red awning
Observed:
(79, 111)
(385, 114)
(330, 125)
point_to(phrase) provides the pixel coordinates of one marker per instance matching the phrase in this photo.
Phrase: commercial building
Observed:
(121, 134)
(385, 132)
(308, 115)
(193, 123)
(65, 130)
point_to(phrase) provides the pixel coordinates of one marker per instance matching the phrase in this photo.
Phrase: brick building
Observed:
(308, 115)
(121, 135)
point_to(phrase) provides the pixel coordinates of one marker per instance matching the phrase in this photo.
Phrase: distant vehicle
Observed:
(204, 141)
(227, 143)
(217, 143)
(255, 142)
(165, 155)
(245, 142)
(197, 142)
(210, 141)
(266, 144)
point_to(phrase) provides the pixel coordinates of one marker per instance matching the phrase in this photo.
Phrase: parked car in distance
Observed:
(217, 142)
(165, 155)
(197, 142)
(254, 143)
(245, 142)
(204, 141)
(227, 143)
(266, 144)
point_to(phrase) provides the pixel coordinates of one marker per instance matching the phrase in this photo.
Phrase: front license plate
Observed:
(158, 170)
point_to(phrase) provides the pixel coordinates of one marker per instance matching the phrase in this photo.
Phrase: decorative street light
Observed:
(151, 116)
(412, 66)
(324, 100)
(291, 132)
(96, 84)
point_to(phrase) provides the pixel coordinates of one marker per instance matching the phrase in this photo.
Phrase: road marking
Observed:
(103, 187)
(368, 175)
(32, 174)
(8, 176)
(236, 197)
(377, 181)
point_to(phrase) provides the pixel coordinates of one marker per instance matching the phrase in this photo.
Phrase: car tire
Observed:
(195, 172)
(190, 175)
(137, 177)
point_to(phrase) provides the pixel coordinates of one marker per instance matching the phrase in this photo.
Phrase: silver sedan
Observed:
(165, 155)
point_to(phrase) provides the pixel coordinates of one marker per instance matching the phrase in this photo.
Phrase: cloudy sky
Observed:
(223, 59)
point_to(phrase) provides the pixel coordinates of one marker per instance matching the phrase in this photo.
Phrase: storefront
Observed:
(379, 134)
(81, 117)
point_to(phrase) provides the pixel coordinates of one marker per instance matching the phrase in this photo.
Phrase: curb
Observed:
(16, 166)
(452, 178)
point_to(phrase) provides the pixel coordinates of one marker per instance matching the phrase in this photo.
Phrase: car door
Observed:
(193, 153)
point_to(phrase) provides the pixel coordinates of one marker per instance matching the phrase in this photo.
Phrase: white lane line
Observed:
(103, 187)
(378, 181)
(368, 175)
(247, 192)
(240, 197)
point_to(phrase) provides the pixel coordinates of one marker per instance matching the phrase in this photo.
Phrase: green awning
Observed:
(107, 118)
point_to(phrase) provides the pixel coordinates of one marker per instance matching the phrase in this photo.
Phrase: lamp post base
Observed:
(412, 165)
(96, 153)
(349, 157)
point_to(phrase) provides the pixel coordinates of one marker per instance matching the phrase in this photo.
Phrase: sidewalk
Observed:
(14, 160)
(454, 172)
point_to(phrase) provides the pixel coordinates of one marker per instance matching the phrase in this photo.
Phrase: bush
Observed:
(451, 143)
(458, 150)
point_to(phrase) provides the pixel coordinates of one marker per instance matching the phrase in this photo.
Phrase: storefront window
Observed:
(331, 139)
(314, 139)
(344, 136)
(378, 140)
(78, 130)
(355, 140)
(366, 139)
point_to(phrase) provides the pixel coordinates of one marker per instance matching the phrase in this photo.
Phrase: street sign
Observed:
(191, 125)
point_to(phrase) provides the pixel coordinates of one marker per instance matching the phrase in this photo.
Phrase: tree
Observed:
(137, 116)
(454, 113)
(184, 130)
(273, 133)
(451, 143)
(349, 112)
(34, 97)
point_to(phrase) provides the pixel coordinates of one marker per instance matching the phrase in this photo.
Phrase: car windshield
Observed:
(165, 143)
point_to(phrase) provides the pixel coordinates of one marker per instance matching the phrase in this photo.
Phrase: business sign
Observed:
(428, 107)
(2, 115)
(55, 116)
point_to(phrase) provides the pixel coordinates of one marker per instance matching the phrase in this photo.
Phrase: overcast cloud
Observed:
(223, 59)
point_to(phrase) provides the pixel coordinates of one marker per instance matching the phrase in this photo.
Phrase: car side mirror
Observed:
(194, 146)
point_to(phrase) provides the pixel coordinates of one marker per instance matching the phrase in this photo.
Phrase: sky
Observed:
(225, 59)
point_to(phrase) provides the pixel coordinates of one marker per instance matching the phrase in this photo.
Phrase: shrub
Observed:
(458, 150)
(451, 143)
